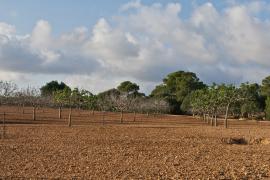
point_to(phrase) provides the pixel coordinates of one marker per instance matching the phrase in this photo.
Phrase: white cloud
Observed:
(143, 45)
(6, 29)
(131, 5)
(41, 35)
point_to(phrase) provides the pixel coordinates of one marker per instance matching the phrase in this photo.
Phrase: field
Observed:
(98, 146)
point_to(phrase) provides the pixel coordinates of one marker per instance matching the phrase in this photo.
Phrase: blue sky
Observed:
(97, 44)
(64, 15)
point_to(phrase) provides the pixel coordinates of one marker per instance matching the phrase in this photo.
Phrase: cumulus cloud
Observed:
(143, 44)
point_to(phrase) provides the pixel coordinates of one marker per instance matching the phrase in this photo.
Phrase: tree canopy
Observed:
(265, 89)
(128, 87)
(49, 88)
(176, 86)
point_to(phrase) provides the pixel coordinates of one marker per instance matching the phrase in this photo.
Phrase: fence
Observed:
(70, 117)
(35, 115)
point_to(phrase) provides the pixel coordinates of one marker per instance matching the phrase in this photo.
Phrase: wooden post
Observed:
(147, 114)
(34, 113)
(4, 126)
(69, 118)
(60, 112)
(121, 116)
(134, 116)
(212, 120)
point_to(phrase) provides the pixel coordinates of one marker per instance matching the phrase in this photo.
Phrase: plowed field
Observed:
(151, 147)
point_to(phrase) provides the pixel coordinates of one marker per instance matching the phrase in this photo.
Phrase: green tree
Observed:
(62, 97)
(51, 87)
(265, 92)
(128, 87)
(182, 83)
(267, 108)
(265, 88)
(176, 86)
(89, 100)
(253, 103)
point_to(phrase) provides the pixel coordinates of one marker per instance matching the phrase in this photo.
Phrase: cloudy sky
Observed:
(98, 44)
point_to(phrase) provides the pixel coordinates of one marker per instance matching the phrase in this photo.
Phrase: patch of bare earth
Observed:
(133, 152)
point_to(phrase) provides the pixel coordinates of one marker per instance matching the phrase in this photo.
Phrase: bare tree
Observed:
(123, 102)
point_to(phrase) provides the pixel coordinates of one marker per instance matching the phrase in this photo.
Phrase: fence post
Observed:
(34, 113)
(4, 126)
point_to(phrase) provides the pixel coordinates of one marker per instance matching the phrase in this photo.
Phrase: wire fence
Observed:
(71, 117)
(33, 115)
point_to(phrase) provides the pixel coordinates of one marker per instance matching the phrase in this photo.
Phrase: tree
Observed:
(104, 101)
(265, 88)
(62, 97)
(267, 108)
(51, 87)
(128, 87)
(229, 95)
(253, 104)
(182, 83)
(265, 92)
(216, 99)
(176, 86)
(7, 89)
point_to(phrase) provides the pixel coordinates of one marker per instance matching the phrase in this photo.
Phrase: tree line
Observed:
(186, 94)
(125, 98)
(180, 93)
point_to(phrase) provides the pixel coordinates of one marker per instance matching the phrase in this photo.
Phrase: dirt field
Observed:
(154, 147)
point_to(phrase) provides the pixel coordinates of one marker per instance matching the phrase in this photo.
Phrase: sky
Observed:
(98, 44)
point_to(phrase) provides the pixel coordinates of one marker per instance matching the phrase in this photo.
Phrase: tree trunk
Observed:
(134, 116)
(103, 118)
(212, 120)
(216, 120)
(34, 113)
(226, 116)
(4, 126)
(69, 117)
(23, 109)
(121, 116)
(60, 112)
